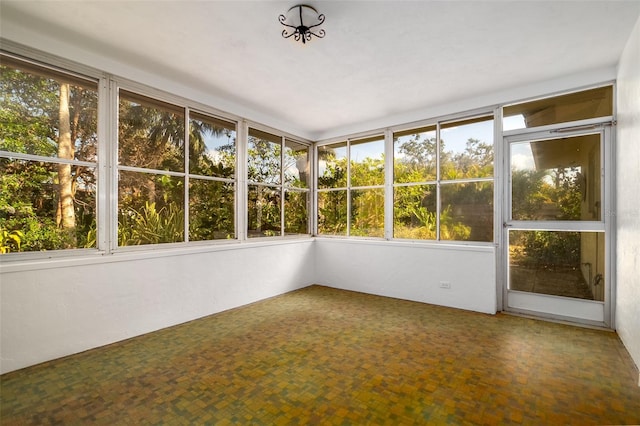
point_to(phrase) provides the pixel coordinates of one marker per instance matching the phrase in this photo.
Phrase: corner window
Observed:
(351, 188)
(48, 159)
(443, 181)
(278, 185)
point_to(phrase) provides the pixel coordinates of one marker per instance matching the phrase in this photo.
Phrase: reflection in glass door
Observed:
(555, 229)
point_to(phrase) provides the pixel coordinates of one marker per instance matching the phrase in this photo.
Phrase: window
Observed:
(212, 172)
(48, 158)
(443, 181)
(351, 188)
(278, 185)
(153, 182)
(576, 106)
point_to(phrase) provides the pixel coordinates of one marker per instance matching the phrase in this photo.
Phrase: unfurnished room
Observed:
(332, 212)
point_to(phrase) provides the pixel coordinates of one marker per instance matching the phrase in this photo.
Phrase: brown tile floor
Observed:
(325, 356)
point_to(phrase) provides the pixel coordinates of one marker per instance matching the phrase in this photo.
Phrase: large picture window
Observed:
(171, 190)
(351, 188)
(443, 181)
(278, 185)
(48, 158)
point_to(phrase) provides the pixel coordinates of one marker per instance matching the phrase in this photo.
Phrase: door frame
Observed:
(604, 127)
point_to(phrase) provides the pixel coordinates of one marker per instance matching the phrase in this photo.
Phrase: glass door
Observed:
(555, 233)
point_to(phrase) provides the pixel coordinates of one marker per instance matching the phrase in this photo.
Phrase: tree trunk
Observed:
(66, 213)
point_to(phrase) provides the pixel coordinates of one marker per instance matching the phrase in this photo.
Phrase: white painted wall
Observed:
(410, 271)
(70, 307)
(628, 203)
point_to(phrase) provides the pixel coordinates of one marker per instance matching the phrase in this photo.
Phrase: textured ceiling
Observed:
(378, 59)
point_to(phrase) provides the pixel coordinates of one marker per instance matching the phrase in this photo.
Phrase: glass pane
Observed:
(560, 109)
(332, 166)
(150, 209)
(414, 155)
(264, 211)
(367, 162)
(264, 158)
(211, 210)
(38, 211)
(367, 213)
(296, 164)
(557, 179)
(296, 207)
(46, 113)
(467, 211)
(150, 133)
(414, 212)
(212, 146)
(569, 264)
(332, 212)
(466, 149)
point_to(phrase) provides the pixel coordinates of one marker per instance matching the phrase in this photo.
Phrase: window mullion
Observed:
(313, 179)
(112, 184)
(348, 188)
(438, 179)
(187, 145)
(282, 195)
(388, 184)
(105, 118)
(242, 193)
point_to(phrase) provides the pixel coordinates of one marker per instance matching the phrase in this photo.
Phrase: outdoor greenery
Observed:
(556, 193)
(467, 207)
(49, 203)
(270, 170)
(48, 194)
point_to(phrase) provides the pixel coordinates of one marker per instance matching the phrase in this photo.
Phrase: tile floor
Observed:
(331, 357)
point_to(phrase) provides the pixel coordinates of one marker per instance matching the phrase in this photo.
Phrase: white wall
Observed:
(628, 203)
(56, 311)
(410, 271)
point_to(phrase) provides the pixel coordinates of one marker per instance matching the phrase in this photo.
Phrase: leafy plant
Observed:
(151, 226)
(10, 240)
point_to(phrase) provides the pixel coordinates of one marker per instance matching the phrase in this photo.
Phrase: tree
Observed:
(50, 204)
(65, 215)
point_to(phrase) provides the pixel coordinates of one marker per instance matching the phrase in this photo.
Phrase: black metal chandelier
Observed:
(300, 22)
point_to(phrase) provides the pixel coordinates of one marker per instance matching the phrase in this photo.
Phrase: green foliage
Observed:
(332, 212)
(263, 161)
(29, 122)
(296, 216)
(466, 211)
(11, 240)
(550, 249)
(151, 226)
(264, 211)
(559, 191)
(211, 210)
(367, 213)
(335, 172)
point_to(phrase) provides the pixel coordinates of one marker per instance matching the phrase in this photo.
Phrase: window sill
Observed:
(51, 261)
(436, 245)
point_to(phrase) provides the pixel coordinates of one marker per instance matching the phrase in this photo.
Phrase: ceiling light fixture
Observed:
(296, 19)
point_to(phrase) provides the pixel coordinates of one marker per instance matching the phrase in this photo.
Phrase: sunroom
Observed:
(487, 162)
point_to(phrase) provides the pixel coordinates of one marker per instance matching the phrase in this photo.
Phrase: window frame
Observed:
(440, 182)
(348, 188)
(282, 187)
(80, 75)
(106, 181)
(156, 96)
